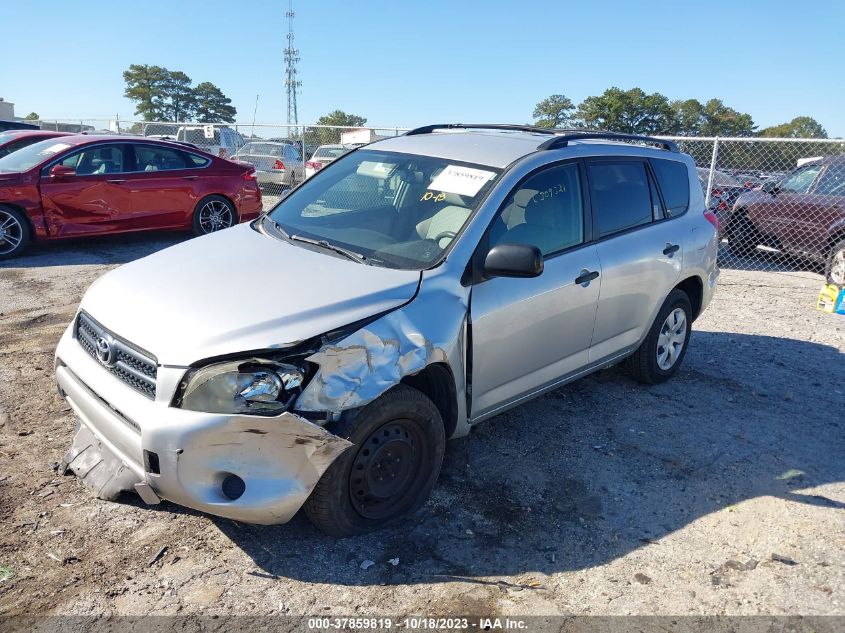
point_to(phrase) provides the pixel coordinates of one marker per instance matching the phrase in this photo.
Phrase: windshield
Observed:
(397, 210)
(262, 149)
(32, 155)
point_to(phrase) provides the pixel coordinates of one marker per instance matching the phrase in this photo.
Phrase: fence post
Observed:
(712, 172)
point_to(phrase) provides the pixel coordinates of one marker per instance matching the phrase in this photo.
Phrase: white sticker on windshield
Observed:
(464, 181)
(55, 148)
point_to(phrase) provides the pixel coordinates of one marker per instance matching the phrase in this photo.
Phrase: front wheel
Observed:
(213, 213)
(743, 237)
(14, 232)
(399, 441)
(660, 354)
(835, 266)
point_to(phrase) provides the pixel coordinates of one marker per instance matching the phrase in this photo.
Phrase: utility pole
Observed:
(292, 84)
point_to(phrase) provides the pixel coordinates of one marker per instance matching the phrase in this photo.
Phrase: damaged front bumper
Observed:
(126, 442)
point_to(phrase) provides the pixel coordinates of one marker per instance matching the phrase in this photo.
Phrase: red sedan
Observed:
(13, 140)
(82, 185)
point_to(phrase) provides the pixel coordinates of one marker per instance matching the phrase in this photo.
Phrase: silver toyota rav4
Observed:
(321, 355)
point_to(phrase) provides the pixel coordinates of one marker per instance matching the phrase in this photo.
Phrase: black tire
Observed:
(15, 234)
(400, 433)
(203, 226)
(837, 276)
(643, 364)
(743, 236)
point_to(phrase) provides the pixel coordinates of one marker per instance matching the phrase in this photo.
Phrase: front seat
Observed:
(552, 219)
(445, 223)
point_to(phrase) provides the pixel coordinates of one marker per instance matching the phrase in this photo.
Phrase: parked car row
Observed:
(67, 186)
(801, 214)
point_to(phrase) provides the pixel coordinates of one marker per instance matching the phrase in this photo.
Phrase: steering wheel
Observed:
(442, 234)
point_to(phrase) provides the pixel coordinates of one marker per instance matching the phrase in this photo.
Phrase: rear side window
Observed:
(673, 180)
(198, 161)
(154, 158)
(620, 196)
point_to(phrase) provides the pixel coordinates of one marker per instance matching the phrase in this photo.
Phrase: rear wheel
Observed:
(399, 444)
(835, 266)
(14, 232)
(663, 350)
(743, 236)
(214, 213)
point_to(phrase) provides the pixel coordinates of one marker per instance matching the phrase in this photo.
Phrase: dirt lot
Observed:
(721, 491)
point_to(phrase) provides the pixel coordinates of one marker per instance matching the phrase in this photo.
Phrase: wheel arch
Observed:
(693, 286)
(437, 382)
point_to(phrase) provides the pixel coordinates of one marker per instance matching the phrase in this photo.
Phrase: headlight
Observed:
(253, 386)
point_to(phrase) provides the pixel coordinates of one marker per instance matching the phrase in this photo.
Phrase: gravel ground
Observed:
(720, 492)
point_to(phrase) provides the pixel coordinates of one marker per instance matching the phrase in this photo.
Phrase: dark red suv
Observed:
(803, 214)
(81, 185)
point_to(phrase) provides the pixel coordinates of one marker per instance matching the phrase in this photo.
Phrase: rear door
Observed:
(640, 250)
(165, 184)
(527, 334)
(93, 200)
(822, 208)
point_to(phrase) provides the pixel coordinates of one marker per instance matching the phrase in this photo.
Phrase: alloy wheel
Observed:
(214, 216)
(670, 341)
(11, 233)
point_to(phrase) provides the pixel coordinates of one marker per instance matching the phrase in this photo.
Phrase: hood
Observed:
(238, 290)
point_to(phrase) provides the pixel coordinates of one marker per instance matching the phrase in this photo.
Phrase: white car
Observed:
(324, 155)
(222, 141)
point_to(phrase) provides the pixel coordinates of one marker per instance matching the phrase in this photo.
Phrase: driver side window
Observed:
(545, 211)
(91, 161)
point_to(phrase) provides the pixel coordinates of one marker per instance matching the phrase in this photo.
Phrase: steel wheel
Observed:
(385, 470)
(670, 341)
(215, 215)
(12, 232)
(837, 268)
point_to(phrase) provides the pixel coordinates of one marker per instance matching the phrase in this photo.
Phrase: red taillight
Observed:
(711, 218)
(722, 205)
(250, 175)
(278, 165)
(314, 165)
(716, 192)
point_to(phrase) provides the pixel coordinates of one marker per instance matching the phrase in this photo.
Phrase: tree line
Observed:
(168, 95)
(636, 112)
(164, 95)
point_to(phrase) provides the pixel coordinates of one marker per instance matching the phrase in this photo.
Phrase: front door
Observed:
(529, 333)
(94, 199)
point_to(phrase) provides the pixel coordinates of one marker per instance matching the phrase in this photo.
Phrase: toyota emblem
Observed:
(105, 351)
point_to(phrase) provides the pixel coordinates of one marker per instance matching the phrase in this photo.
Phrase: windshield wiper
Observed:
(356, 257)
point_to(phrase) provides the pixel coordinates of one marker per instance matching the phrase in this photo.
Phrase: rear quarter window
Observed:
(198, 161)
(673, 180)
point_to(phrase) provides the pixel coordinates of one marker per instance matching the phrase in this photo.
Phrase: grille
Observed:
(134, 367)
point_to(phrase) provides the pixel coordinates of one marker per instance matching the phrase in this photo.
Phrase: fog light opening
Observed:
(151, 464)
(233, 487)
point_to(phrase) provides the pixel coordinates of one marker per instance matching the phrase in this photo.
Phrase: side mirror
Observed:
(770, 186)
(513, 260)
(59, 172)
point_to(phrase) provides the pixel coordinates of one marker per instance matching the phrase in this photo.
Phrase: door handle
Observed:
(586, 277)
(116, 181)
(189, 177)
(670, 249)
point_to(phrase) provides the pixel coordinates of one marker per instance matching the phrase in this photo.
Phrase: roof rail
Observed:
(428, 129)
(562, 140)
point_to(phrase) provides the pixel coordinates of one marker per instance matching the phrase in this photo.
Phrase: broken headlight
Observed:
(253, 386)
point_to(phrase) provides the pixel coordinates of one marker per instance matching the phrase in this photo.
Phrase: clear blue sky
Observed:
(409, 63)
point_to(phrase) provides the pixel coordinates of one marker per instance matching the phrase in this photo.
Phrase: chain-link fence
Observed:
(780, 202)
